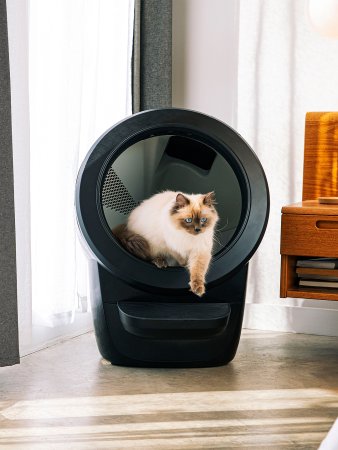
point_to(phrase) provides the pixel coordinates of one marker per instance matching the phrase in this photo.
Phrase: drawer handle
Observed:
(327, 224)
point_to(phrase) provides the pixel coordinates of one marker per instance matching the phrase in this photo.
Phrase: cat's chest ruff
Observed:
(184, 243)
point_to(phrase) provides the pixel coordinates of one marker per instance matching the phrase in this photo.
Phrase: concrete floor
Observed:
(280, 392)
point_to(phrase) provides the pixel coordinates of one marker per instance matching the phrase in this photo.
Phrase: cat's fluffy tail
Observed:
(134, 243)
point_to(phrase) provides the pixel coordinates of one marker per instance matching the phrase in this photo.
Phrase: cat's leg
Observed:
(160, 261)
(198, 266)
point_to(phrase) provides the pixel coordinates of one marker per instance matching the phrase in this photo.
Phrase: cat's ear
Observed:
(209, 199)
(181, 201)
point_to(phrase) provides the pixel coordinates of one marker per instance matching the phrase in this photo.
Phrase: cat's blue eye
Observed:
(188, 220)
(203, 219)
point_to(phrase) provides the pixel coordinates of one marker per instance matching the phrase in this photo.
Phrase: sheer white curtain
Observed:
(79, 65)
(79, 84)
(285, 70)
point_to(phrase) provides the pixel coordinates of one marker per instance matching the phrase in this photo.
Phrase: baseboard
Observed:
(294, 319)
(43, 337)
(28, 350)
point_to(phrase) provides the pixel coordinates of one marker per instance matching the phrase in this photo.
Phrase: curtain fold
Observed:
(9, 345)
(152, 55)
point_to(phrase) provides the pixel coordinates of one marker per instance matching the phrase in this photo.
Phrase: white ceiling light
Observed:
(324, 16)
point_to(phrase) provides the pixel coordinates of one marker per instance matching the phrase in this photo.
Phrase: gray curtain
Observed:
(9, 346)
(152, 55)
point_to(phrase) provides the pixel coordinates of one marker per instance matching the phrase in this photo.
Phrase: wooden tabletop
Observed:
(311, 207)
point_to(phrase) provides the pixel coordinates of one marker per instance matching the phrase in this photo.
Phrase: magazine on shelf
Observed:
(309, 276)
(319, 263)
(318, 283)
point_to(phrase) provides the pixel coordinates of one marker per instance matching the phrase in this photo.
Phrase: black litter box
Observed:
(145, 316)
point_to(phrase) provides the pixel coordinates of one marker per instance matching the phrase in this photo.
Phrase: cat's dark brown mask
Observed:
(194, 213)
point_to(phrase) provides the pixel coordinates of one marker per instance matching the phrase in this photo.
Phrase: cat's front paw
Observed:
(197, 287)
(160, 262)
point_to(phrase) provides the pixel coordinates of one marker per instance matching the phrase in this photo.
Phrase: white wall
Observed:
(207, 77)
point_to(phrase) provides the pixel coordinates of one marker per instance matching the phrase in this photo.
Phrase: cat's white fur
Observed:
(151, 219)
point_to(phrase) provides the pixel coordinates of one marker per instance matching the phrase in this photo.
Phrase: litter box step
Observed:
(176, 320)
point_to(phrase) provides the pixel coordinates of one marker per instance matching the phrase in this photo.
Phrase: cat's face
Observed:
(194, 213)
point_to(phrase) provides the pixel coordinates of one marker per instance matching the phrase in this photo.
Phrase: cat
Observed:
(173, 225)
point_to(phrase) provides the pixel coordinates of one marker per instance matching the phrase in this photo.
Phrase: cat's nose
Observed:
(197, 229)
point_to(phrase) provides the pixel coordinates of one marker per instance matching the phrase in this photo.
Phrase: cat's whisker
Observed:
(223, 227)
(216, 240)
(218, 234)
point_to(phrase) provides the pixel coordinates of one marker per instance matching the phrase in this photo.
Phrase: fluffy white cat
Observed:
(173, 225)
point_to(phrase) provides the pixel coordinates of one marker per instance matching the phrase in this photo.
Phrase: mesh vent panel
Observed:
(115, 195)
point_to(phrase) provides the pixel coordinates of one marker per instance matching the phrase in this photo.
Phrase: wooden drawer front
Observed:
(309, 235)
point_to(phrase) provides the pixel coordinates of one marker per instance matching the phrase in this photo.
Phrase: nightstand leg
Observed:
(284, 276)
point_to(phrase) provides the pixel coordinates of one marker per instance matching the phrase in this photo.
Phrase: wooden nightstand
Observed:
(310, 229)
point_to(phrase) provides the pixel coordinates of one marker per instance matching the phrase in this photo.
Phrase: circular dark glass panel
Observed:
(175, 163)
